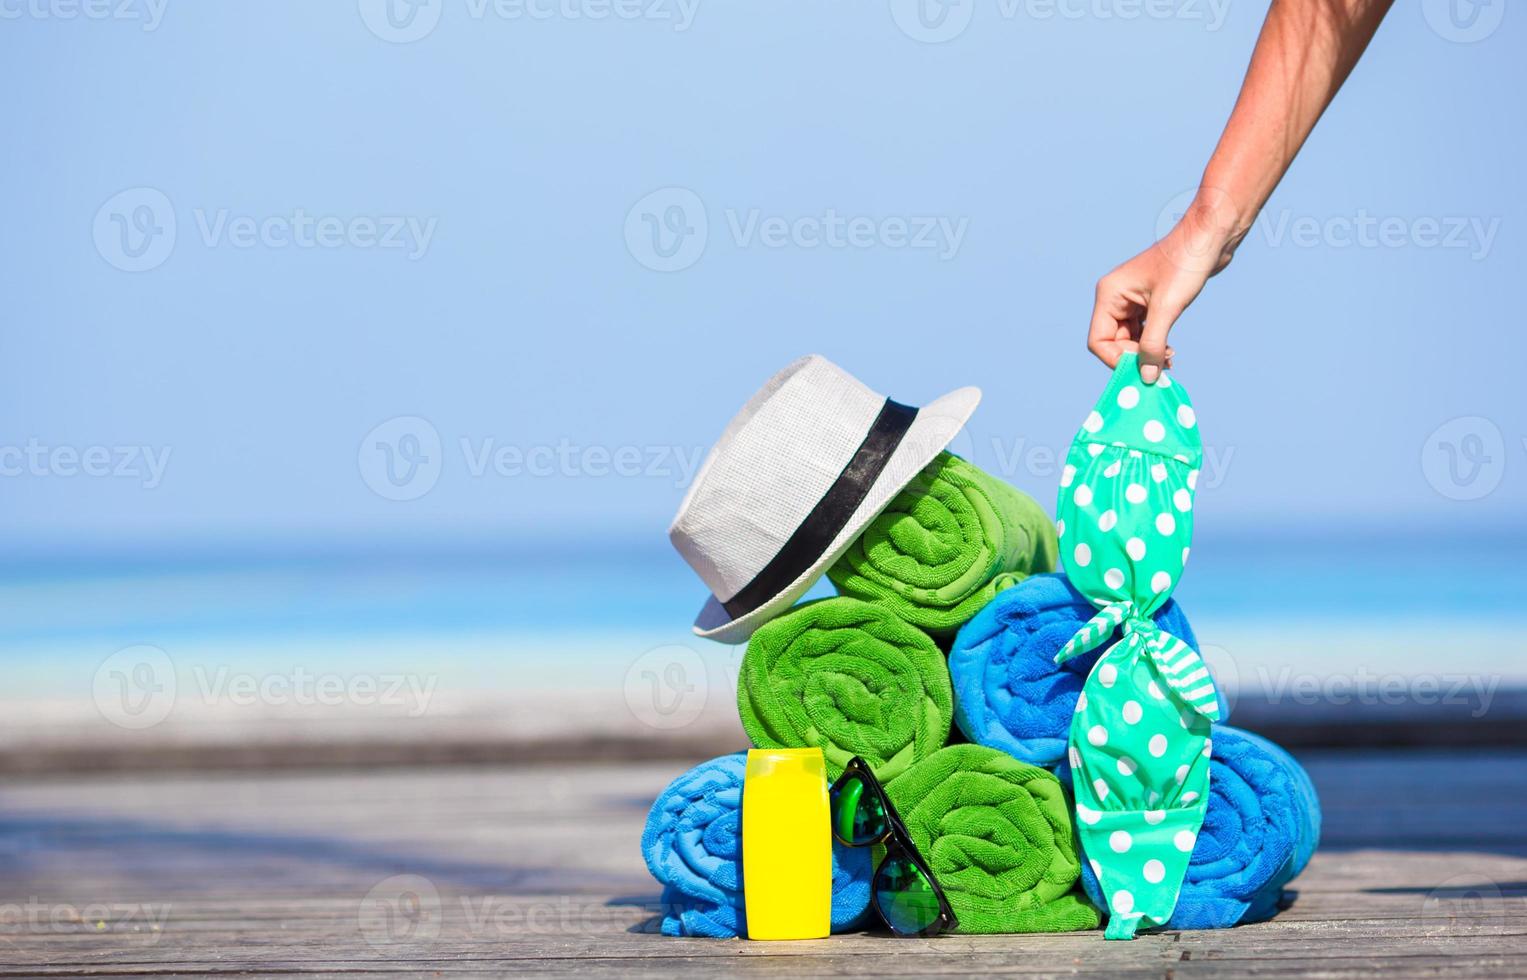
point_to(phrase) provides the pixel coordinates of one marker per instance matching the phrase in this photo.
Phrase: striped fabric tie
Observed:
(1179, 665)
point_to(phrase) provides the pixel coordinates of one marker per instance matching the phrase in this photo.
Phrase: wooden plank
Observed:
(536, 870)
(576, 728)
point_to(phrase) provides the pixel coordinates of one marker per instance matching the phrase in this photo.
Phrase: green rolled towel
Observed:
(945, 545)
(849, 678)
(997, 835)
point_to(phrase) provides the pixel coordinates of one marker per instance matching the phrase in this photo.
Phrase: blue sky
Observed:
(345, 241)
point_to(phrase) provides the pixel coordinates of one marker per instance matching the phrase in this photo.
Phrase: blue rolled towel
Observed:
(1262, 825)
(1008, 692)
(693, 847)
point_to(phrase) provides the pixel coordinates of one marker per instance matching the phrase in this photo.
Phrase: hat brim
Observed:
(931, 432)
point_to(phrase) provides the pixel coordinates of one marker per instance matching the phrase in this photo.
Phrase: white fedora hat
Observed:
(808, 462)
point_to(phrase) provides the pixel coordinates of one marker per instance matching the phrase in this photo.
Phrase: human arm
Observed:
(1305, 52)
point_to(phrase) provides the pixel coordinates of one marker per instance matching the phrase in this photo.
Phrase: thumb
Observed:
(1158, 322)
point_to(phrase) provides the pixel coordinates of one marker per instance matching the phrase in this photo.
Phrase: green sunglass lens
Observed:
(858, 818)
(905, 896)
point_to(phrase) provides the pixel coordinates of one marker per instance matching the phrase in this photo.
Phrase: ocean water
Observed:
(578, 615)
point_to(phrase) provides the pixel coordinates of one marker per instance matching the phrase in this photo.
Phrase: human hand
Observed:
(1137, 303)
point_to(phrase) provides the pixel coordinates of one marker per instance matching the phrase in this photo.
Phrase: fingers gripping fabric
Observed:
(1138, 744)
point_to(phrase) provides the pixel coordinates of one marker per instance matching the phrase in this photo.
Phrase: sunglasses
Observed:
(906, 894)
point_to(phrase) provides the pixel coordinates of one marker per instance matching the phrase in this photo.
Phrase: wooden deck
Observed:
(535, 869)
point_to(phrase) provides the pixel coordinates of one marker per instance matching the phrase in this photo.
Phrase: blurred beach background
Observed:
(358, 354)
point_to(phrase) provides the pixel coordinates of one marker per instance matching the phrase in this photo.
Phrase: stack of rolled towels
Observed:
(971, 744)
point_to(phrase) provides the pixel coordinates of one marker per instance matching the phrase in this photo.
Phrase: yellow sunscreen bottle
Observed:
(786, 845)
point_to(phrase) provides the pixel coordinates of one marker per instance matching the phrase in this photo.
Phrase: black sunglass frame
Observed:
(896, 841)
